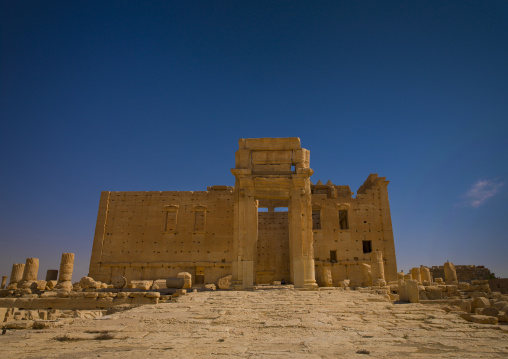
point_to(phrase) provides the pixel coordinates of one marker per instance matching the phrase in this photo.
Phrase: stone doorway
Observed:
(272, 262)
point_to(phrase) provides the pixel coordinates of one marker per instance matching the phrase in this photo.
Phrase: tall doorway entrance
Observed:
(273, 262)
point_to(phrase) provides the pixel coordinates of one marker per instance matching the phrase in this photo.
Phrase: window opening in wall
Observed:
(343, 219)
(333, 256)
(199, 221)
(262, 209)
(316, 219)
(281, 209)
(170, 221)
(367, 246)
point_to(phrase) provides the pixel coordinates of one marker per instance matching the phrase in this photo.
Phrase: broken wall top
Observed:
(271, 155)
(281, 143)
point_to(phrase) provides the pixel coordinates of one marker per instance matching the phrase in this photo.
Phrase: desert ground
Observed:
(281, 323)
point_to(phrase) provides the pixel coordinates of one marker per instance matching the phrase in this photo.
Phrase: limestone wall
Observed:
(152, 235)
(155, 235)
(351, 228)
(465, 273)
(272, 247)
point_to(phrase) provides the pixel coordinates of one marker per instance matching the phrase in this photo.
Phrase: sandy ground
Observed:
(267, 324)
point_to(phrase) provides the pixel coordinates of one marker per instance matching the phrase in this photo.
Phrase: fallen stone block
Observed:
(480, 302)
(18, 324)
(225, 282)
(501, 305)
(187, 279)
(484, 319)
(490, 311)
(176, 283)
(45, 324)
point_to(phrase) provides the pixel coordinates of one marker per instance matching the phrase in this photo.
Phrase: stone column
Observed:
(426, 277)
(66, 268)
(378, 269)
(326, 277)
(416, 275)
(450, 273)
(51, 274)
(16, 275)
(30, 272)
(4, 281)
(366, 275)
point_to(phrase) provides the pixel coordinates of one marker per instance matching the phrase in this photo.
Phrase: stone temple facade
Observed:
(274, 225)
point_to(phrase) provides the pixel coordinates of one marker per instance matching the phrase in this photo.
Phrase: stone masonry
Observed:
(274, 225)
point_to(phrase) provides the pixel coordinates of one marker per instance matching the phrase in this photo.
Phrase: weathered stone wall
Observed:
(155, 235)
(368, 219)
(499, 285)
(152, 235)
(272, 247)
(465, 273)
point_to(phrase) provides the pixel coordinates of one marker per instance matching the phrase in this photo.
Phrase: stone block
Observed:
(187, 278)
(480, 302)
(466, 306)
(225, 282)
(179, 292)
(483, 319)
(490, 311)
(173, 282)
(145, 300)
(501, 305)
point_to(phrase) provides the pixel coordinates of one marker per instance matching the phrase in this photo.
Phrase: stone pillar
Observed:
(416, 275)
(366, 275)
(16, 275)
(326, 277)
(377, 268)
(51, 274)
(30, 272)
(426, 277)
(408, 291)
(4, 281)
(300, 231)
(450, 273)
(413, 291)
(65, 274)
(66, 267)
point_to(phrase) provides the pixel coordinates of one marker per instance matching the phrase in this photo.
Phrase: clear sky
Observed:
(154, 95)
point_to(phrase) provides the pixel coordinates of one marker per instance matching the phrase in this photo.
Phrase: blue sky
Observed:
(155, 95)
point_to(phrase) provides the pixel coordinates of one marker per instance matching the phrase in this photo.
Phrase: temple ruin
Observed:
(273, 226)
(273, 230)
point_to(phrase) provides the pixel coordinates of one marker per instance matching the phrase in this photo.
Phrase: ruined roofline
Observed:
(371, 181)
(276, 143)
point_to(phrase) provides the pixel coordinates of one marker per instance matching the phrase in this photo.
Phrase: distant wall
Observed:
(465, 273)
(499, 285)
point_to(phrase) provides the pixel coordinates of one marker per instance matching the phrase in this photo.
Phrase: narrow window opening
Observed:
(367, 246)
(333, 256)
(199, 221)
(343, 219)
(281, 209)
(262, 209)
(316, 219)
(170, 221)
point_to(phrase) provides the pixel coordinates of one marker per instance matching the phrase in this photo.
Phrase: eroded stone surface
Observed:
(329, 323)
